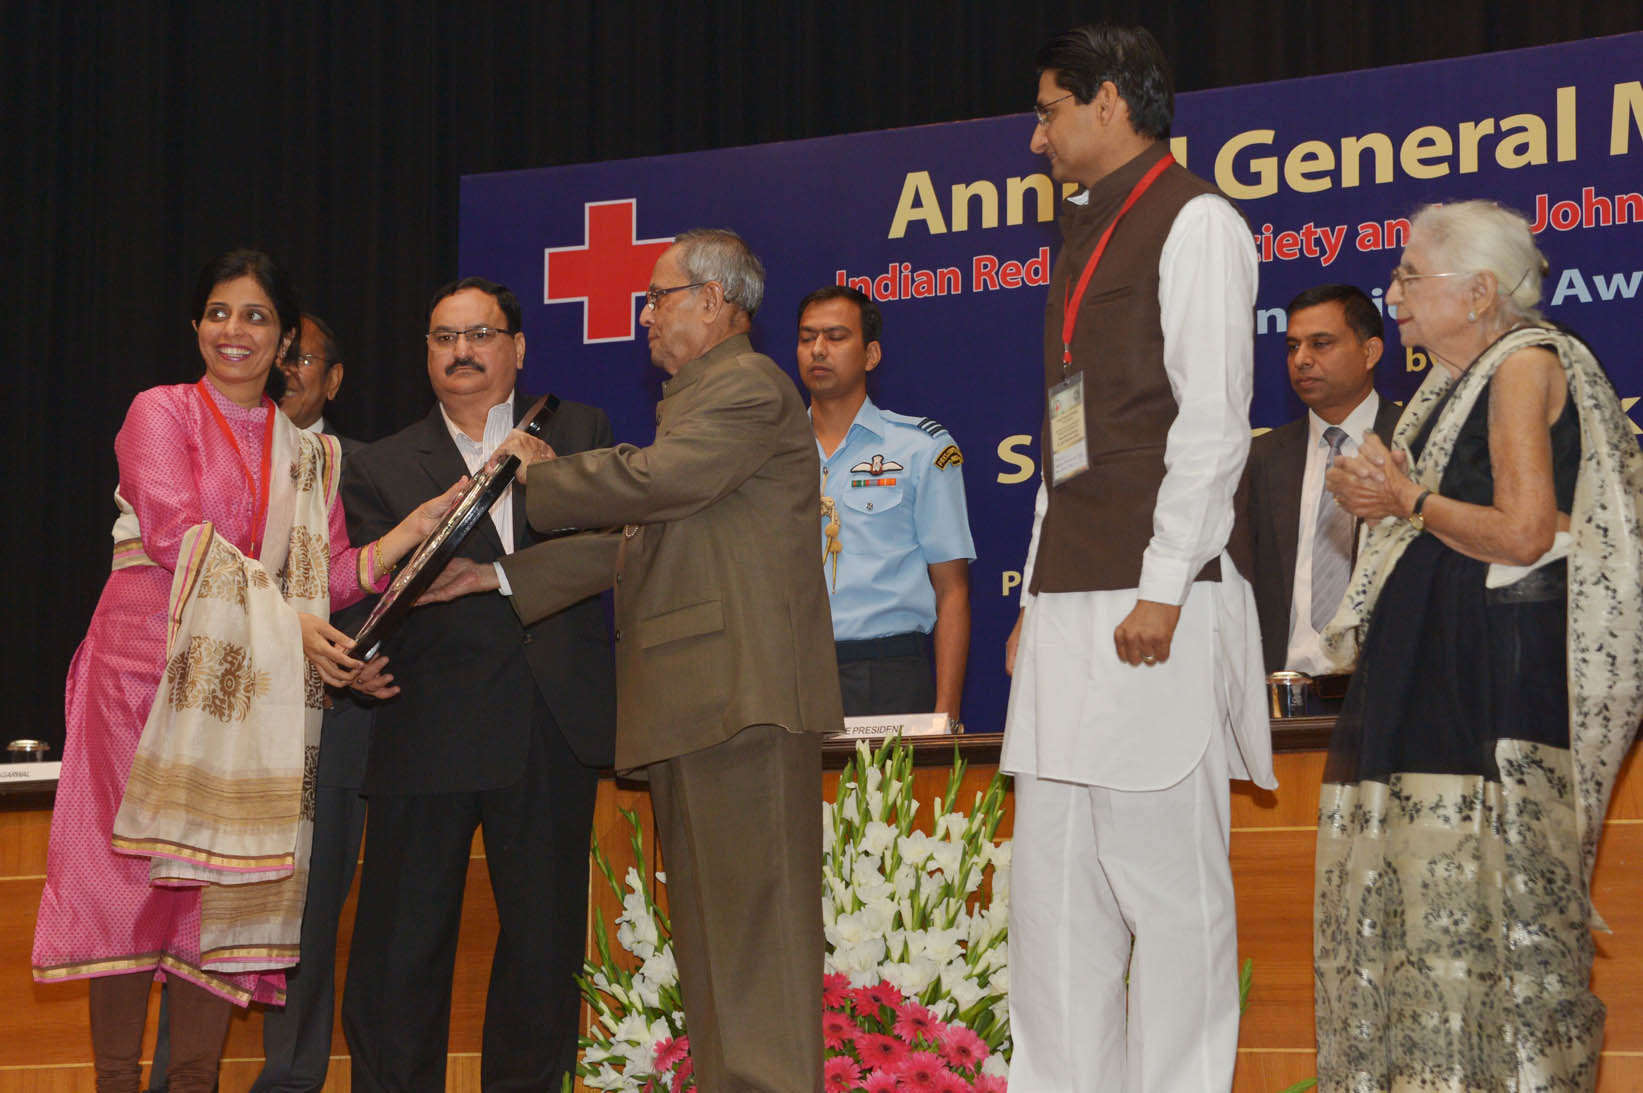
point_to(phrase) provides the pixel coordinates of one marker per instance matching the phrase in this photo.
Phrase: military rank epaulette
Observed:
(932, 426)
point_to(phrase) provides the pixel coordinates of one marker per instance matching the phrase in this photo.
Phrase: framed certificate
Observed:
(426, 562)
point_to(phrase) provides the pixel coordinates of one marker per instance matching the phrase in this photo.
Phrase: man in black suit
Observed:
(296, 1038)
(1300, 543)
(486, 723)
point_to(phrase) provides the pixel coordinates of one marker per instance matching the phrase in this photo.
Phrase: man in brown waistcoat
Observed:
(1137, 686)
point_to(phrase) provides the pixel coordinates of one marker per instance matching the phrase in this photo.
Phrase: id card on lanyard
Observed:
(1069, 448)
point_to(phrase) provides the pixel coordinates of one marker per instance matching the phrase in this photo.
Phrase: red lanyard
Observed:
(1069, 305)
(257, 487)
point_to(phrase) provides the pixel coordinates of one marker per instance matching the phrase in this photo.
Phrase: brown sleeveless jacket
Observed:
(1099, 523)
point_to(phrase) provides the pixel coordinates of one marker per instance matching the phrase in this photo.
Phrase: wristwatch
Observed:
(1416, 520)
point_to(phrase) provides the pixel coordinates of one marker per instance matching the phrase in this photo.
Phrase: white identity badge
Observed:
(1069, 455)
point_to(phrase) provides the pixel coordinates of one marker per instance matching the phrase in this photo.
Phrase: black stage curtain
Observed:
(148, 136)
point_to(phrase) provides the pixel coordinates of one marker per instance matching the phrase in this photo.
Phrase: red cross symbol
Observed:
(605, 273)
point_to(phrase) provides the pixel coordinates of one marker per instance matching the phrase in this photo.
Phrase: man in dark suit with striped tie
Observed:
(1299, 543)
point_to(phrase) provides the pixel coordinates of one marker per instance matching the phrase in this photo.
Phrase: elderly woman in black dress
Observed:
(1496, 613)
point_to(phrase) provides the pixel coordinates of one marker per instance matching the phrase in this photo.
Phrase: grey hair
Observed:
(1483, 236)
(722, 256)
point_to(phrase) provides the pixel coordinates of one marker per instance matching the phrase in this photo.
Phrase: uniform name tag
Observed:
(1069, 455)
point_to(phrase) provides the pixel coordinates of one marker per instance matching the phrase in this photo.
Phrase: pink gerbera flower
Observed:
(949, 1082)
(880, 1081)
(865, 1002)
(682, 1080)
(921, 1070)
(841, 1074)
(672, 1051)
(989, 1083)
(835, 990)
(962, 1047)
(877, 1050)
(884, 994)
(914, 1022)
(837, 1029)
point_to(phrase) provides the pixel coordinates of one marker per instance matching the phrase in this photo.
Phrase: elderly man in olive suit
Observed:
(724, 655)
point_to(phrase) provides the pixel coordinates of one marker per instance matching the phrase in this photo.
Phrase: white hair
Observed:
(1483, 236)
(722, 256)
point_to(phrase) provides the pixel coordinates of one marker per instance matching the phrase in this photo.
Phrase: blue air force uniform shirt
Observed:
(898, 489)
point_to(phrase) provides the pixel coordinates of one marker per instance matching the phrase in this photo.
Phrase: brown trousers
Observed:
(740, 827)
(119, 1009)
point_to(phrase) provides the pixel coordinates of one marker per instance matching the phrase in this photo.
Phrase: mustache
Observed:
(463, 362)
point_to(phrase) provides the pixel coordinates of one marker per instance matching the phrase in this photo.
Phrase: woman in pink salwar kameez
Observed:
(188, 454)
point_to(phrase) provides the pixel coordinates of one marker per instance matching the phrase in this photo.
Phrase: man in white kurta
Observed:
(1131, 707)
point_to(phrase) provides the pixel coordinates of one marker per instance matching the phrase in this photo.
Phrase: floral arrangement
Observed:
(915, 993)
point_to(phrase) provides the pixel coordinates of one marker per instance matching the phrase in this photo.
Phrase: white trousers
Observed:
(1093, 871)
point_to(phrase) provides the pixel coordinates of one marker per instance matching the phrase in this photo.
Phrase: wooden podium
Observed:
(48, 1048)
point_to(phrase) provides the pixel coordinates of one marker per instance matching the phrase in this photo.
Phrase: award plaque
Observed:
(426, 562)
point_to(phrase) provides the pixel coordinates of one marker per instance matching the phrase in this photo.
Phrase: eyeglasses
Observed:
(1042, 109)
(478, 336)
(653, 296)
(1401, 277)
(309, 360)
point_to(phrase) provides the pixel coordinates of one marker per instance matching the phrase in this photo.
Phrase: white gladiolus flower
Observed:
(941, 946)
(873, 888)
(877, 837)
(662, 967)
(878, 915)
(911, 977)
(945, 856)
(962, 989)
(916, 847)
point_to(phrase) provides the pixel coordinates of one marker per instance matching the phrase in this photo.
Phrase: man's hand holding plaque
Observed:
(460, 577)
(523, 447)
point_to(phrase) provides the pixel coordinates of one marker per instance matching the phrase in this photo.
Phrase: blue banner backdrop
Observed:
(949, 226)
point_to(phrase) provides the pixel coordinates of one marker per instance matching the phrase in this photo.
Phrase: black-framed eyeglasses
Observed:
(309, 360)
(1041, 110)
(478, 336)
(653, 295)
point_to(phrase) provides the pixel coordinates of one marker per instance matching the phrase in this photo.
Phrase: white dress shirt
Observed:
(498, 423)
(1305, 653)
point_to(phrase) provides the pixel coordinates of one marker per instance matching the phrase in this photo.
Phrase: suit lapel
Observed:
(523, 536)
(1290, 466)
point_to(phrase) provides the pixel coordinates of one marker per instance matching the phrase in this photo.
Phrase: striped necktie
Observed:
(1331, 544)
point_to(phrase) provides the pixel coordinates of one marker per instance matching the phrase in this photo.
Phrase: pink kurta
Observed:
(99, 915)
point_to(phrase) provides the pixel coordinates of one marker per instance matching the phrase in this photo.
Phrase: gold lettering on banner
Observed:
(1013, 451)
(1627, 116)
